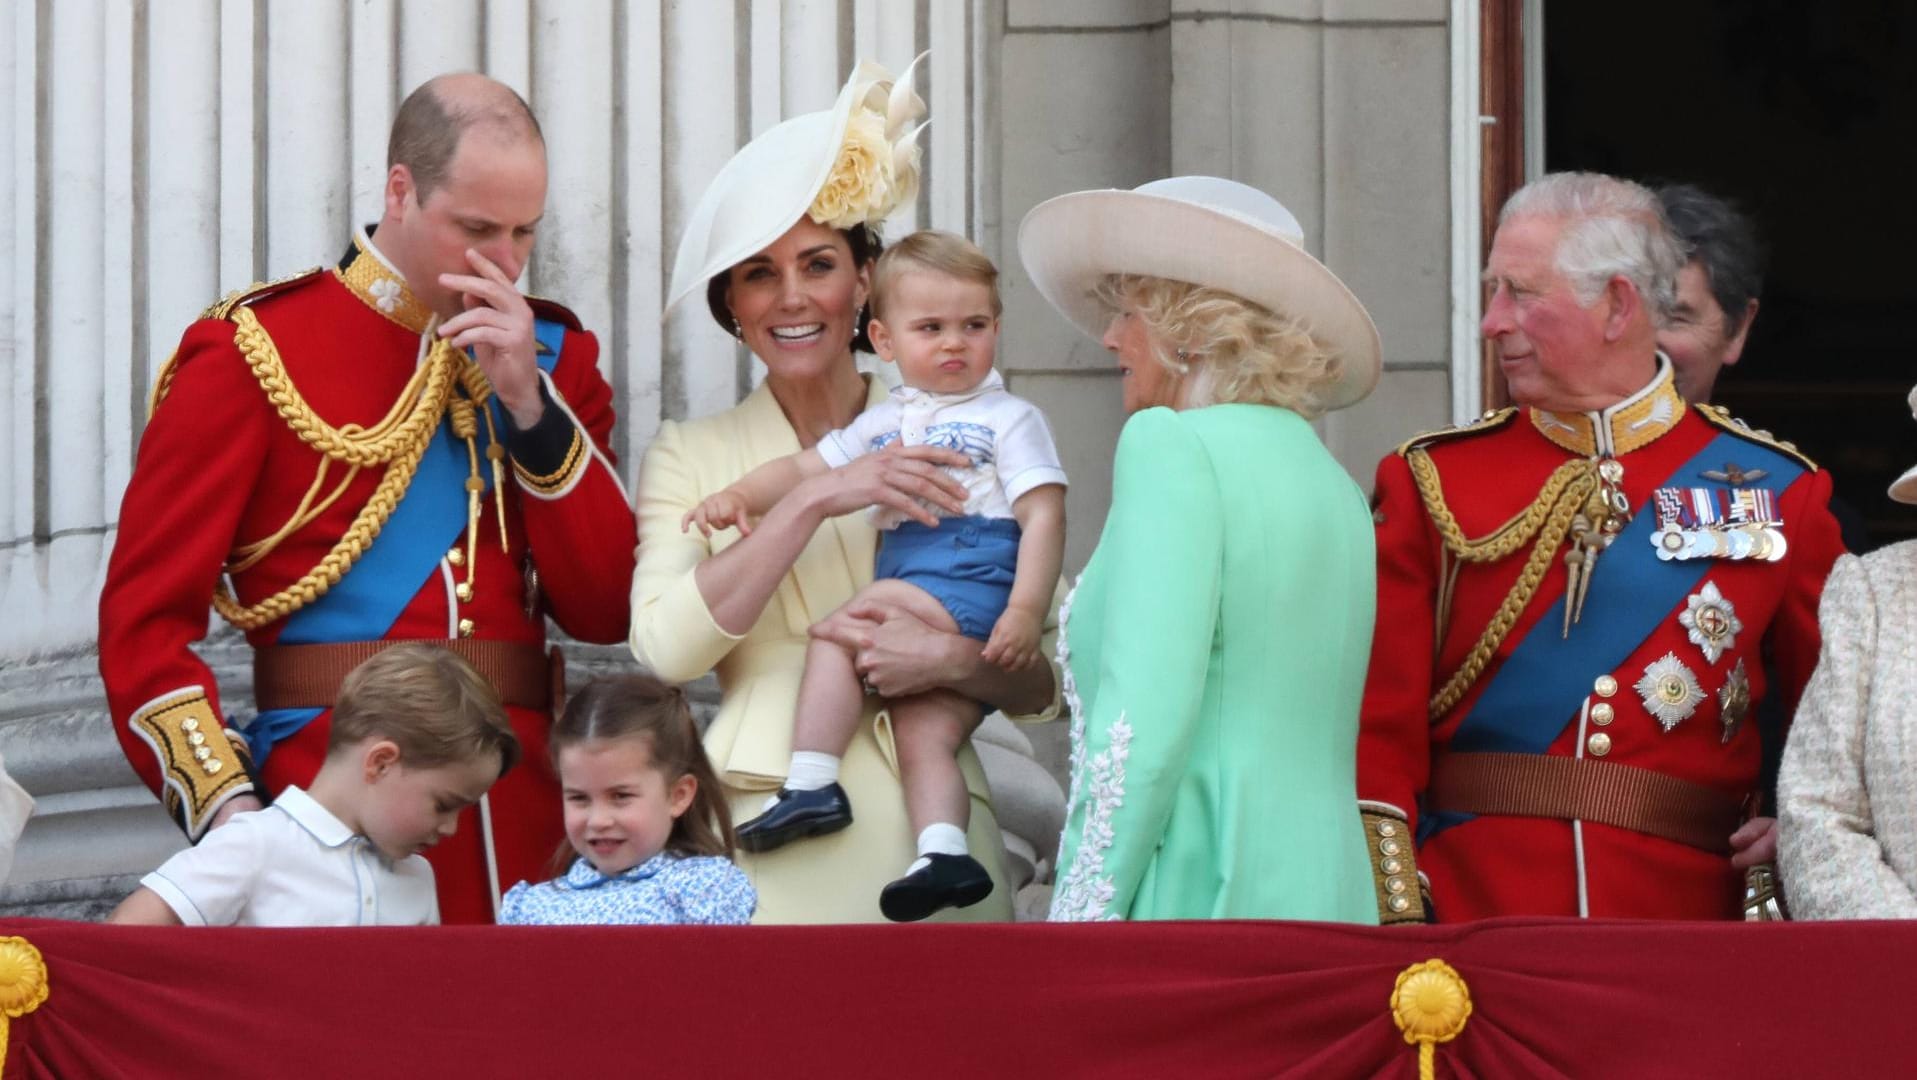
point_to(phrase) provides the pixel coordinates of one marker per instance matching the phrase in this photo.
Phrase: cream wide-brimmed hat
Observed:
(1904, 490)
(852, 164)
(1206, 231)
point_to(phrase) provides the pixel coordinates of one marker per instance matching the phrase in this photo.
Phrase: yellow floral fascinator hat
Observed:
(850, 165)
(1905, 489)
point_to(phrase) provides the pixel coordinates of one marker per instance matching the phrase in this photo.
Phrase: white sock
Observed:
(808, 772)
(939, 838)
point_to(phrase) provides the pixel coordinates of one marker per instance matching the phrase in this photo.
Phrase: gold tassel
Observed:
(466, 427)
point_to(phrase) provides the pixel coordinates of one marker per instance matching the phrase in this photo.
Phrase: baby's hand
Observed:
(720, 511)
(1014, 642)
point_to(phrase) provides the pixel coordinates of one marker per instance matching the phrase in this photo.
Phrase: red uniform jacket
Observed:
(1490, 472)
(220, 466)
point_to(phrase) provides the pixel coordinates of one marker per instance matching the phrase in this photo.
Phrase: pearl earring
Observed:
(737, 330)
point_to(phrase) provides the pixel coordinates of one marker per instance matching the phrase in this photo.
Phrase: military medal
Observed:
(1604, 514)
(1734, 701)
(1669, 690)
(1708, 523)
(1711, 622)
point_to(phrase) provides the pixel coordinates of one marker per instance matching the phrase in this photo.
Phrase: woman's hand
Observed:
(721, 510)
(894, 651)
(902, 478)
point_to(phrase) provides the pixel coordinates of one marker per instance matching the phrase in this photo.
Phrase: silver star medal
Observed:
(1711, 621)
(1669, 690)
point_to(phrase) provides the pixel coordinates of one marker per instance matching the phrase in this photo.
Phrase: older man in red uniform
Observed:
(398, 447)
(1573, 600)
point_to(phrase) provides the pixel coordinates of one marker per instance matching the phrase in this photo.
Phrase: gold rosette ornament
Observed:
(1430, 1004)
(23, 983)
(877, 169)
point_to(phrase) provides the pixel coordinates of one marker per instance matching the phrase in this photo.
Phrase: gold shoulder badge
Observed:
(1720, 417)
(1490, 421)
(223, 307)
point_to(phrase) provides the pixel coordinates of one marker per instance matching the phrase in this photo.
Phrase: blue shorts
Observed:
(966, 563)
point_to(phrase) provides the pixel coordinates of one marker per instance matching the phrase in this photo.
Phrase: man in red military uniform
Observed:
(1574, 597)
(398, 447)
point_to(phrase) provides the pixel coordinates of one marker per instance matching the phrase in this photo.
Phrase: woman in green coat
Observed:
(1213, 651)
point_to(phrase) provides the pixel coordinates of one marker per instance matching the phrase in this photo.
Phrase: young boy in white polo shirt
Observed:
(417, 736)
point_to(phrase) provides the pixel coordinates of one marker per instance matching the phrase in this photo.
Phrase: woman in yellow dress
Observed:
(782, 242)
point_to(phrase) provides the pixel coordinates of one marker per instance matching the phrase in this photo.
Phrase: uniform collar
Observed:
(308, 814)
(909, 395)
(366, 274)
(1631, 424)
(584, 875)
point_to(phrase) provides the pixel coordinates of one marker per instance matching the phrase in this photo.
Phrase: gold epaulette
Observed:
(1720, 417)
(223, 307)
(1490, 421)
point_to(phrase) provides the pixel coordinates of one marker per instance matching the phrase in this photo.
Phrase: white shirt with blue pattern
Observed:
(666, 890)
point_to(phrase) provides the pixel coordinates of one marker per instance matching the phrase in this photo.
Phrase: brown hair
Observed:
(866, 247)
(644, 707)
(938, 252)
(429, 703)
(428, 127)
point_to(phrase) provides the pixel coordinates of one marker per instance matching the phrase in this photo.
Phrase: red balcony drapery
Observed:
(1550, 998)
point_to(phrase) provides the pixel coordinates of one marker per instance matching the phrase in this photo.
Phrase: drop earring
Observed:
(738, 331)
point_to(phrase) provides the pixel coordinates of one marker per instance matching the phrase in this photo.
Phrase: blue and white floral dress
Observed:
(667, 889)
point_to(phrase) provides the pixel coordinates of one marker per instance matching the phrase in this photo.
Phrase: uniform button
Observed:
(1396, 885)
(212, 767)
(466, 628)
(1386, 828)
(189, 724)
(464, 590)
(201, 753)
(1388, 847)
(1605, 686)
(1599, 744)
(1391, 866)
(195, 738)
(1399, 903)
(457, 557)
(1602, 714)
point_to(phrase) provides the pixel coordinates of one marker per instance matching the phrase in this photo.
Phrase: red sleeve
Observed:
(578, 519)
(199, 459)
(1394, 734)
(1816, 542)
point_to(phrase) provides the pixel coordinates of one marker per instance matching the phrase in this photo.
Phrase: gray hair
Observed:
(1613, 228)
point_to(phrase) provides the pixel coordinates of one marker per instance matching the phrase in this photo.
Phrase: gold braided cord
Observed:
(247, 556)
(384, 442)
(398, 442)
(1548, 517)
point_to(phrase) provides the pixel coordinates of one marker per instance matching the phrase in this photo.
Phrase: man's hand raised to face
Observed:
(498, 326)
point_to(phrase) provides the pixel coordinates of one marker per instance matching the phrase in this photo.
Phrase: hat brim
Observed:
(1904, 489)
(1071, 242)
(760, 193)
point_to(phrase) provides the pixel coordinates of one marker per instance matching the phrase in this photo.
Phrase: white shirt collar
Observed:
(906, 394)
(308, 814)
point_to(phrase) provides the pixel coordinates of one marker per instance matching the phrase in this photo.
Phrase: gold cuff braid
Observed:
(1394, 865)
(202, 764)
(551, 484)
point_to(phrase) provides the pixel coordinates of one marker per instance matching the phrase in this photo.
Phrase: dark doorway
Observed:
(1804, 115)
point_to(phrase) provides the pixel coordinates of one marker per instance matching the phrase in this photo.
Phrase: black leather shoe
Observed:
(797, 814)
(950, 881)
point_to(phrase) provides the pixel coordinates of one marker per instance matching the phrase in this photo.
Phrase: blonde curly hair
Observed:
(1234, 351)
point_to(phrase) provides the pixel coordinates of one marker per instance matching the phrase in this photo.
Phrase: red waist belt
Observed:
(1537, 785)
(309, 676)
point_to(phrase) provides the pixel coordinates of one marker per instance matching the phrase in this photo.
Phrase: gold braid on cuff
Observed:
(202, 763)
(1394, 865)
(554, 483)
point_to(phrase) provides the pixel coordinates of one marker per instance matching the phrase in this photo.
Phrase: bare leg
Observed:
(831, 698)
(929, 730)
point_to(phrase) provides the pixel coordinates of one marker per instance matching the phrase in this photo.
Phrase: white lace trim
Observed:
(1086, 892)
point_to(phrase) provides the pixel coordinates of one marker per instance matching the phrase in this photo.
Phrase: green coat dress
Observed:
(1213, 656)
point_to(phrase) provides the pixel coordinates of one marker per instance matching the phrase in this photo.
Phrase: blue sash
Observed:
(425, 524)
(1522, 709)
